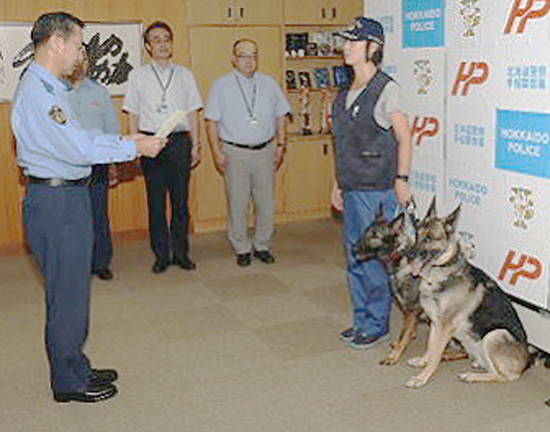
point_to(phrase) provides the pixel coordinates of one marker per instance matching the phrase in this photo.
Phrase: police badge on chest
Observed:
(57, 115)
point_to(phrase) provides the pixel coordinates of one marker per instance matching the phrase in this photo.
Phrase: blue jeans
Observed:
(368, 281)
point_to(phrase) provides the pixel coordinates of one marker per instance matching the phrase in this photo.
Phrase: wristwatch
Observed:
(403, 177)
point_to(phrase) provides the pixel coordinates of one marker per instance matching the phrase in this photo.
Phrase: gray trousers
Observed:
(250, 174)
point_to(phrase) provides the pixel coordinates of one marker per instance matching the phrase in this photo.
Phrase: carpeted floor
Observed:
(240, 349)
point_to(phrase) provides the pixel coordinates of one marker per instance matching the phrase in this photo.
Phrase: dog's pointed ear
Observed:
(398, 223)
(451, 221)
(431, 210)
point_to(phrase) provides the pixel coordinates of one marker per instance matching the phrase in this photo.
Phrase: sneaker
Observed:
(347, 335)
(364, 341)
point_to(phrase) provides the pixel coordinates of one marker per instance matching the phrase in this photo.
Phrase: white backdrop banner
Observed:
(114, 49)
(475, 76)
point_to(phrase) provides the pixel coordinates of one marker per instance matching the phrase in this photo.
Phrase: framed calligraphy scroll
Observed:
(114, 49)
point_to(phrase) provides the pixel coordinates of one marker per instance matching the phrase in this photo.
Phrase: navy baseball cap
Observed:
(364, 29)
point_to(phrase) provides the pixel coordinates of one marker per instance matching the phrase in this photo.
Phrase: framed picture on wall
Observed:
(113, 48)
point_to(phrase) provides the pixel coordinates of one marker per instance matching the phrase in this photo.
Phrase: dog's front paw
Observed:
(416, 382)
(466, 377)
(417, 362)
(389, 360)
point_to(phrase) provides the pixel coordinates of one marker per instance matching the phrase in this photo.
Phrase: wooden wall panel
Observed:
(128, 201)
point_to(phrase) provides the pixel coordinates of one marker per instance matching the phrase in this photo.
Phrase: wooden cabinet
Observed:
(210, 203)
(309, 177)
(234, 12)
(321, 11)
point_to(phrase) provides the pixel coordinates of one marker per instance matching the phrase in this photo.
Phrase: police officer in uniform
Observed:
(56, 155)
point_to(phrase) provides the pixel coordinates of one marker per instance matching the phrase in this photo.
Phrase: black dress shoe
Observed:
(264, 256)
(160, 266)
(104, 274)
(103, 376)
(185, 263)
(91, 393)
(243, 260)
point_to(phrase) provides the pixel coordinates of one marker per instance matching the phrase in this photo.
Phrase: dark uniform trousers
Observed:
(99, 194)
(169, 173)
(59, 233)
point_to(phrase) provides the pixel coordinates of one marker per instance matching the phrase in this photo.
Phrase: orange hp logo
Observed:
(524, 10)
(424, 127)
(470, 73)
(526, 266)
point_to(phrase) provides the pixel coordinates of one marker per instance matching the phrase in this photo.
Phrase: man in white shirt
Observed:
(155, 91)
(246, 126)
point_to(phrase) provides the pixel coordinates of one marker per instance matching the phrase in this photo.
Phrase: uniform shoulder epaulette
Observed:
(47, 86)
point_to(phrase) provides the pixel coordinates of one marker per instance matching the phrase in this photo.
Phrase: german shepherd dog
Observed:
(390, 242)
(463, 302)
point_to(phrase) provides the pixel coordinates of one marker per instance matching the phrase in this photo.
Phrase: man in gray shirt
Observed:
(93, 107)
(246, 114)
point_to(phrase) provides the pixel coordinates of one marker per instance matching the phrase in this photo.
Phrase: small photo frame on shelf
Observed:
(322, 78)
(317, 39)
(311, 49)
(327, 47)
(296, 43)
(342, 76)
(304, 78)
(325, 42)
(291, 83)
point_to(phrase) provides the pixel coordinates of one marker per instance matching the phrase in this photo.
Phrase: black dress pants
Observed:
(99, 194)
(168, 174)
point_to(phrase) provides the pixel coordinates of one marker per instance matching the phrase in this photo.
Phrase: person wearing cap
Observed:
(246, 127)
(373, 156)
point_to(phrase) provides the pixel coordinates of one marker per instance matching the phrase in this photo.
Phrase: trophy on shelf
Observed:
(305, 111)
(326, 110)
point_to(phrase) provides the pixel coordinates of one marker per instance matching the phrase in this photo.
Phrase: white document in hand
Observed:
(171, 123)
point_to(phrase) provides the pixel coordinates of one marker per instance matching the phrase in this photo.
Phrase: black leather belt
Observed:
(172, 134)
(56, 182)
(249, 146)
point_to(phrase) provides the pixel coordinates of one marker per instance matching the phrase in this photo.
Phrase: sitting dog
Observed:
(464, 303)
(389, 242)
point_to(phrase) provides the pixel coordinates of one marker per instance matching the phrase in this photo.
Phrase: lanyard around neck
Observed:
(249, 107)
(164, 87)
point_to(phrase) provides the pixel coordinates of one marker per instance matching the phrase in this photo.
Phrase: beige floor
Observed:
(230, 349)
